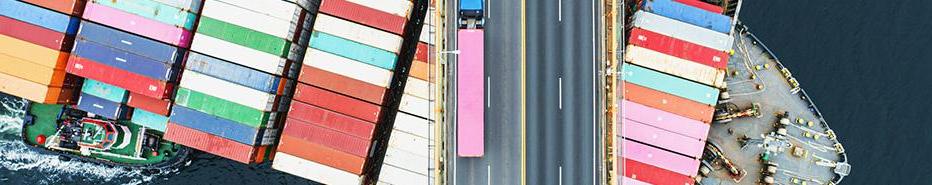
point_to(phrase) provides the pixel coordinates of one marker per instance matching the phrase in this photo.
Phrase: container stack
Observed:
(408, 158)
(35, 41)
(344, 83)
(236, 77)
(675, 64)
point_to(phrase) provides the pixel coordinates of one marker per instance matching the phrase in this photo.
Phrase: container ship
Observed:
(334, 91)
(703, 101)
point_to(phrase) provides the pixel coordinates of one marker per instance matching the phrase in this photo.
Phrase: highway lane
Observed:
(502, 161)
(561, 129)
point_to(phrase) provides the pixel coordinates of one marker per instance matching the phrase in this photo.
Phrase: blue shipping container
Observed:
(150, 120)
(231, 72)
(39, 16)
(134, 44)
(353, 50)
(102, 107)
(215, 125)
(124, 60)
(105, 91)
(689, 14)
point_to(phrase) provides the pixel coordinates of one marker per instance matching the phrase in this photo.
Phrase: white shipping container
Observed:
(250, 19)
(238, 54)
(415, 106)
(359, 33)
(426, 35)
(313, 171)
(347, 67)
(682, 68)
(418, 163)
(228, 91)
(405, 122)
(278, 9)
(683, 31)
(409, 143)
(418, 88)
(401, 8)
(396, 176)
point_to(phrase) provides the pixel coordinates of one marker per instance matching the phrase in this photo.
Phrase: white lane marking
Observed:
(488, 91)
(488, 9)
(560, 92)
(560, 10)
(489, 177)
(561, 175)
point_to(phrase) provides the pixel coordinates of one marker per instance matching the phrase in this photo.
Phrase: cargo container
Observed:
(408, 123)
(154, 10)
(128, 42)
(651, 174)
(353, 50)
(137, 24)
(31, 71)
(105, 91)
(241, 55)
(401, 8)
(243, 36)
(421, 70)
(217, 126)
(215, 145)
(130, 81)
(228, 91)
(630, 181)
(187, 5)
(364, 15)
(678, 48)
(321, 154)
(231, 72)
(102, 107)
(149, 120)
(667, 102)
(422, 52)
(149, 104)
(670, 84)
(39, 16)
(31, 52)
(671, 65)
(416, 162)
(348, 68)
(425, 33)
(664, 120)
(222, 108)
(328, 137)
(683, 31)
(313, 170)
(470, 100)
(409, 143)
(662, 138)
(415, 106)
(33, 34)
(389, 174)
(71, 7)
(660, 158)
(338, 103)
(689, 14)
(702, 5)
(342, 84)
(284, 10)
(358, 33)
(418, 88)
(302, 113)
(35, 92)
(123, 60)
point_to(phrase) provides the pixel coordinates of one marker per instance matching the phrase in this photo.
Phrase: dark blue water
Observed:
(868, 66)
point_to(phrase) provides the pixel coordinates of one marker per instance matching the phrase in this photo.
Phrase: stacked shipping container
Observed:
(675, 62)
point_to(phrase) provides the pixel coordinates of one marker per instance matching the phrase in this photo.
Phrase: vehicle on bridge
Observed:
(470, 119)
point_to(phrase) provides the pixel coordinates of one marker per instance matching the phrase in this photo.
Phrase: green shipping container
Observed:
(150, 120)
(670, 84)
(155, 11)
(221, 108)
(353, 50)
(243, 36)
(105, 91)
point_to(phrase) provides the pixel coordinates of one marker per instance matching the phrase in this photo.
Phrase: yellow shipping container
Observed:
(31, 71)
(32, 52)
(33, 91)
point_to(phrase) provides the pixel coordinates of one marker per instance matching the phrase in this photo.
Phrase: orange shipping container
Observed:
(321, 154)
(31, 71)
(32, 52)
(667, 102)
(420, 70)
(35, 92)
(63, 6)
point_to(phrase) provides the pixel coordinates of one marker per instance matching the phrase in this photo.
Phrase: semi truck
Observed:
(470, 119)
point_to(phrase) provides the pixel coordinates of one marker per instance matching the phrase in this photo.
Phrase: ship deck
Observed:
(773, 92)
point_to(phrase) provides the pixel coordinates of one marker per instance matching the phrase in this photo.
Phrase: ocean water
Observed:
(868, 67)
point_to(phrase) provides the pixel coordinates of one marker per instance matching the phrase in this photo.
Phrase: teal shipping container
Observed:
(155, 11)
(150, 120)
(353, 50)
(105, 91)
(670, 84)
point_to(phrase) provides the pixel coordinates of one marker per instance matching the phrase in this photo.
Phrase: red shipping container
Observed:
(321, 154)
(364, 15)
(338, 103)
(678, 48)
(215, 145)
(667, 102)
(150, 104)
(302, 113)
(344, 85)
(32, 33)
(421, 53)
(124, 79)
(702, 5)
(652, 174)
(63, 6)
(327, 137)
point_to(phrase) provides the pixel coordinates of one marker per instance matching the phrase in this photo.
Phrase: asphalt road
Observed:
(561, 128)
(501, 163)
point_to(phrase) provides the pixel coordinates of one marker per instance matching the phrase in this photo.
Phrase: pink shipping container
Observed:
(664, 120)
(471, 93)
(660, 158)
(136, 24)
(662, 138)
